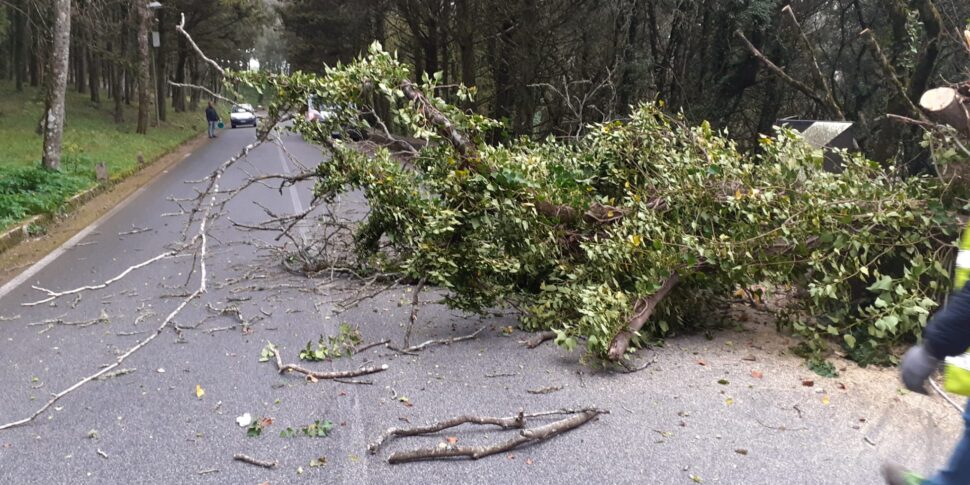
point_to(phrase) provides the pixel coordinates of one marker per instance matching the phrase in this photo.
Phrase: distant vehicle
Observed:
(323, 113)
(242, 114)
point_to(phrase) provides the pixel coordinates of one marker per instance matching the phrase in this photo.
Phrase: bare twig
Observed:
(524, 436)
(253, 461)
(890, 72)
(800, 86)
(414, 311)
(936, 387)
(371, 345)
(181, 29)
(283, 368)
(445, 341)
(117, 373)
(53, 295)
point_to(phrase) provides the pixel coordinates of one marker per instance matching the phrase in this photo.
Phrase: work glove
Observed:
(916, 367)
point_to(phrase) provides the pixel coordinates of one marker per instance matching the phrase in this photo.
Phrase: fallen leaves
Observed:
(825, 400)
(741, 451)
(808, 382)
(723, 382)
(452, 440)
(199, 392)
(405, 401)
(757, 374)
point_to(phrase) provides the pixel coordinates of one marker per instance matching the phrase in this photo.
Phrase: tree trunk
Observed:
(80, 60)
(94, 72)
(57, 84)
(161, 76)
(466, 42)
(178, 94)
(143, 15)
(195, 95)
(35, 51)
(117, 89)
(20, 45)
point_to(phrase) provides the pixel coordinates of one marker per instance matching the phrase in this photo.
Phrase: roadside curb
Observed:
(21, 232)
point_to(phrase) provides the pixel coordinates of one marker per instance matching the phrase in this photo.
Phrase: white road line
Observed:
(38, 266)
(294, 195)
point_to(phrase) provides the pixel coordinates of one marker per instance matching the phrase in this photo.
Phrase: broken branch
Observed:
(524, 437)
(283, 368)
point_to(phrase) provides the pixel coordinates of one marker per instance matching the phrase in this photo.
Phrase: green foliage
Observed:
(331, 347)
(587, 235)
(25, 191)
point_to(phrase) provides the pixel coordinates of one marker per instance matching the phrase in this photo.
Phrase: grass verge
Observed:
(90, 136)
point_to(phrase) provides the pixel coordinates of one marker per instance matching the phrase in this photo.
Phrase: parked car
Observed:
(242, 114)
(323, 113)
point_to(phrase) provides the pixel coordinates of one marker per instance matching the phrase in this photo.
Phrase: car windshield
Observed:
(242, 108)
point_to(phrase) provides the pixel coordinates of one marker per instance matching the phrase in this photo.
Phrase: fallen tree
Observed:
(635, 230)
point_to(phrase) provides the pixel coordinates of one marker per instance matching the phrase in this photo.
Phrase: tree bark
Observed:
(161, 76)
(642, 311)
(178, 94)
(143, 16)
(20, 45)
(94, 70)
(57, 84)
(466, 42)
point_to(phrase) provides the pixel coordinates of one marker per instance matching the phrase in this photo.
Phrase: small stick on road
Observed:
(253, 461)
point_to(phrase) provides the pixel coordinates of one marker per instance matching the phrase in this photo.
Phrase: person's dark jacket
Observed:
(211, 114)
(948, 332)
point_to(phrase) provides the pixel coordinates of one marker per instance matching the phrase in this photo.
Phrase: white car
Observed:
(323, 113)
(242, 114)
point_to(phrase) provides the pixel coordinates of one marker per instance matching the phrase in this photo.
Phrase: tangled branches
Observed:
(633, 231)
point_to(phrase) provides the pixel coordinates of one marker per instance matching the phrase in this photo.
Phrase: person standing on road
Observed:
(946, 335)
(212, 117)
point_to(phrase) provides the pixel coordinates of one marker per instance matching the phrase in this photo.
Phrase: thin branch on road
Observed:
(451, 449)
(53, 295)
(445, 341)
(415, 302)
(284, 368)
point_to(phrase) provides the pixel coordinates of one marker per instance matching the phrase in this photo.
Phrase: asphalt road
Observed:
(732, 410)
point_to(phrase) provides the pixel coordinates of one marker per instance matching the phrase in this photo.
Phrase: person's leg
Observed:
(212, 129)
(957, 471)
(209, 126)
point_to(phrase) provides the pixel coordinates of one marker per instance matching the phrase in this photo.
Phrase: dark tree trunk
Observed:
(178, 94)
(161, 74)
(94, 72)
(36, 51)
(117, 90)
(195, 95)
(466, 42)
(20, 45)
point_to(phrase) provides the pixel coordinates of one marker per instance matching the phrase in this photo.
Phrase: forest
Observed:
(544, 67)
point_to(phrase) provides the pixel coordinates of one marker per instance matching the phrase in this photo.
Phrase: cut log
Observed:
(947, 106)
